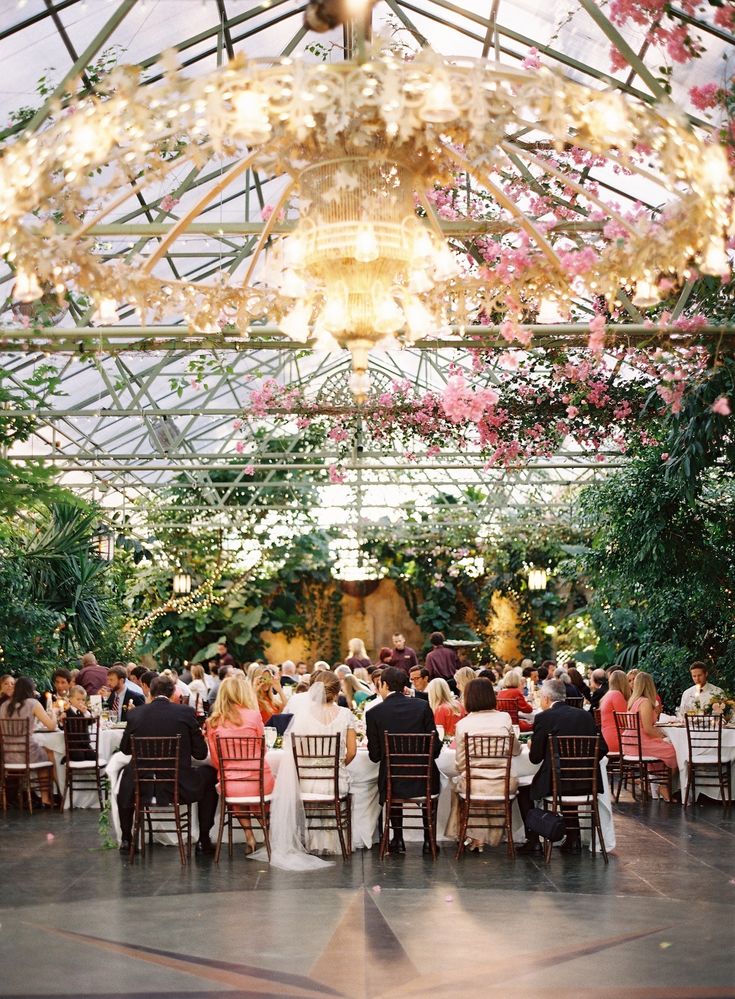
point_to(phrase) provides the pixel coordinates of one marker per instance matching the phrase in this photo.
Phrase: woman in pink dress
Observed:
(236, 713)
(653, 742)
(447, 710)
(616, 699)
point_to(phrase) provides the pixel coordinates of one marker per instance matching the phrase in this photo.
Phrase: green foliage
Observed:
(662, 564)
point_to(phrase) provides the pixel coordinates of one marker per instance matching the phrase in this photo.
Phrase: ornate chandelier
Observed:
(361, 145)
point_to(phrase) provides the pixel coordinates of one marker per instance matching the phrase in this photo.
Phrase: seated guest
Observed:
(556, 718)
(22, 704)
(288, 673)
(488, 674)
(181, 689)
(267, 687)
(577, 680)
(447, 711)
(132, 681)
(375, 680)
(164, 718)
(198, 690)
(120, 696)
(397, 713)
(60, 683)
(357, 654)
(7, 683)
(462, 677)
(419, 678)
(615, 699)
(530, 673)
(543, 673)
(384, 656)
(353, 691)
(77, 708)
(302, 668)
(186, 674)
(482, 718)
(510, 690)
(145, 682)
(441, 661)
(92, 676)
(599, 686)
(702, 691)
(236, 713)
(653, 742)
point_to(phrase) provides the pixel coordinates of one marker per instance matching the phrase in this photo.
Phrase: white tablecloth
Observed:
(677, 736)
(110, 739)
(522, 768)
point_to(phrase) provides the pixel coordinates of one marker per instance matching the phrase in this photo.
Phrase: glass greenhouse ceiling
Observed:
(120, 432)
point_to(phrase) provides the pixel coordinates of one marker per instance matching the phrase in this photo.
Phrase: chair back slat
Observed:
(704, 734)
(15, 740)
(317, 761)
(597, 713)
(156, 765)
(80, 736)
(409, 757)
(575, 702)
(487, 757)
(574, 764)
(241, 758)
(510, 706)
(628, 724)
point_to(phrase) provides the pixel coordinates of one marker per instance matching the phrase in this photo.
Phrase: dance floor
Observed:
(657, 922)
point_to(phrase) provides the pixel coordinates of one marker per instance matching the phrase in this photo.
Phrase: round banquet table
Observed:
(110, 739)
(522, 768)
(676, 733)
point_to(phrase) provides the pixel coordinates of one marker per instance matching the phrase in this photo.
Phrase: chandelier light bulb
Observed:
(438, 107)
(366, 244)
(548, 311)
(334, 316)
(389, 316)
(646, 294)
(715, 260)
(295, 324)
(251, 116)
(106, 313)
(423, 246)
(445, 264)
(292, 285)
(27, 288)
(419, 281)
(418, 319)
(294, 251)
(717, 169)
(360, 385)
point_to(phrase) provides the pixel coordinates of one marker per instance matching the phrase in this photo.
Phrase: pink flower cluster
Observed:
(462, 403)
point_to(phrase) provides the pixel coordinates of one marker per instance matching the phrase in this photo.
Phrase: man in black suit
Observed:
(159, 718)
(400, 714)
(121, 697)
(599, 685)
(557, 718)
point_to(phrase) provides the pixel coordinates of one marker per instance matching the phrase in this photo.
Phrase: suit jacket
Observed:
(597, 695)
(128, 697)
(397, 714)
(163, 717)
(560, 719)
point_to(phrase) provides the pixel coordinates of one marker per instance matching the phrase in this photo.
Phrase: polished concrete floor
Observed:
(658, 921)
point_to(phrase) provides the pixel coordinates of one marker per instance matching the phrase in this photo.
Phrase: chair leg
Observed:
(220, 831)
(98, 775)
(265, 823)
(432, 829)
(690, 782)
(180, 837)
(70, 788)
(620, 782)
(340, 830)
(598, 824)
(464, 818)
(509, 830)
(386, 830)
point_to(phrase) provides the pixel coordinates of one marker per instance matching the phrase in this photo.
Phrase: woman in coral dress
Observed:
(447, 710)
(236, 714)
(511, 691)
(616, 699)
(653, 742)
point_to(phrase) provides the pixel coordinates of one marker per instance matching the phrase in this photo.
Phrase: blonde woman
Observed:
(267, 686)
(353, 691)
(198, 688)
(616, 699)
(462, 677)
(447, 710)
(643, 703)
(357, 655)
(236, 713)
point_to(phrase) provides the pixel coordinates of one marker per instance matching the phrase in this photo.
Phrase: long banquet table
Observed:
(676, 733)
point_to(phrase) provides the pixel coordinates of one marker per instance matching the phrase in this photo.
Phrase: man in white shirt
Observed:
(701, 693)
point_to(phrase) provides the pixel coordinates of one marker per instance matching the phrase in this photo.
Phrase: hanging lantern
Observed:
(537, 579)
(182, 584)
(103, 544)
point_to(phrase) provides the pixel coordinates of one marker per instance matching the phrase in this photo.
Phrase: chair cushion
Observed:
(707, 758)
(573, 799)
(641, 759)
(32, 766)
(84, 764)
(418, 798)
(252, 799)
(315, 796)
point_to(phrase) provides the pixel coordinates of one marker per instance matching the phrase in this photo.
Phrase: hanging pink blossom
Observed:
(721, 406)
(336, 475)
(237, 424)
(249, 470)
(168, 202)
(240, 447)
(460, 402)
(532, 60)
(704, 97)
(596, 342)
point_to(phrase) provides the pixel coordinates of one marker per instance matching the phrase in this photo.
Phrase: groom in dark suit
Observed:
(400, 714)
(164, 718)
(557, 718)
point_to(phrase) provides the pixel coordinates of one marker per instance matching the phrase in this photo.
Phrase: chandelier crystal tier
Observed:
(361, 146)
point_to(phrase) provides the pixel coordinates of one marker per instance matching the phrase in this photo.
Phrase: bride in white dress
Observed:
(290, 840)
